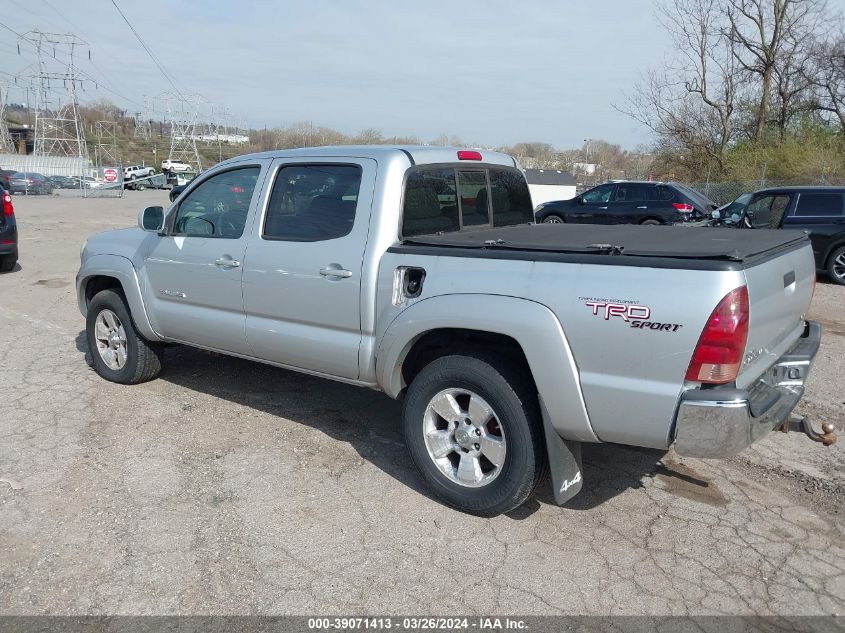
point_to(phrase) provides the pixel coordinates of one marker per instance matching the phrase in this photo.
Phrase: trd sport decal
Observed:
(636, 315)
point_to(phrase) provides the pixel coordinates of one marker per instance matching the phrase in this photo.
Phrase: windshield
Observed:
(737, 206)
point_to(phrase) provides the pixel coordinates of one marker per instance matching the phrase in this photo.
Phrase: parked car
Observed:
(6, 177)
(137, 171)
(29, 182)
(63, 182)
(820, 211)
(418, 270)
(629, 202)
(8, 233)
(175, 166)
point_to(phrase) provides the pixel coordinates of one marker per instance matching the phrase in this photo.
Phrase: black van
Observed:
(818, 210)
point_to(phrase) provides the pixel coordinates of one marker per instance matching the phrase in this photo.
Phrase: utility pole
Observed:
(142, 121)
(106, 149)
(58, 132)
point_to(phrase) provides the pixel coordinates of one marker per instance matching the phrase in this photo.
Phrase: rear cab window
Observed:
(442, 199)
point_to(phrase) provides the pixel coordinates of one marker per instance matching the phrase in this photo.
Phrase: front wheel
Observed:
(836, 266)
(118, 352)
(472, 426)
(651, 222)
(553, 219)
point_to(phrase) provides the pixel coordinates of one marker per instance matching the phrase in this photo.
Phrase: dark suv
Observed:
(629, 203)
(818, 210)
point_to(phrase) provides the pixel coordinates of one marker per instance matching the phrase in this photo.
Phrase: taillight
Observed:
(683, 206)
(465, 154)
(718, 355)
(8, 209)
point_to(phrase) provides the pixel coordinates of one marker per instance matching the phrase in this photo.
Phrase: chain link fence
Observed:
(725, 192)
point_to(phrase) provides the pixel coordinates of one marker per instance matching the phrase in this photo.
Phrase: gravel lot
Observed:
(231, 487)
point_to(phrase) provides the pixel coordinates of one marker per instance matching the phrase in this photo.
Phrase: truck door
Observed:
(302, 275)
(193, 273)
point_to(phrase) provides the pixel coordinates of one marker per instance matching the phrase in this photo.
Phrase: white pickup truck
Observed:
(418, 271)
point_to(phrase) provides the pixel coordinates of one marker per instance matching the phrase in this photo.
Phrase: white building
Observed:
(549, 184)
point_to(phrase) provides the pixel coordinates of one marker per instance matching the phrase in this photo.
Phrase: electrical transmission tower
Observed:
(58, 129)
(142, 121)
(105, 151)
(6, 145)
(181, 114)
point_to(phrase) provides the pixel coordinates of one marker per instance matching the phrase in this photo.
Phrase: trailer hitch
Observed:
(805, 425)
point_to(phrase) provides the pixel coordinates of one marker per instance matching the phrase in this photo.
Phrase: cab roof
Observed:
(414, 154)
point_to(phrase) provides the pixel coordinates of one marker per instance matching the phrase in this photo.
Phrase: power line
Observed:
(149, 52)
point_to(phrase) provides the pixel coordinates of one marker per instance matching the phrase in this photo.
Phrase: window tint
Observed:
(511, 198)
(310, 203)
(473, 190)
(217, 207)
(767, 211)
(431, 202)
(628, 192)
(660, 193)
(819, 204)
(599, 194)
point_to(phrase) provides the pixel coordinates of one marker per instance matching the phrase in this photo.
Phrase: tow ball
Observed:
(805, 425)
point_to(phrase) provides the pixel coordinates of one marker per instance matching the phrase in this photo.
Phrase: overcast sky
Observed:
(491, 72)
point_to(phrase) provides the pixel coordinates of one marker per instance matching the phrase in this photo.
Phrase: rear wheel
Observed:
(553, 219)
(119, 353)
(836, 266)
(651, 222)
(140, 186)
(472, 426)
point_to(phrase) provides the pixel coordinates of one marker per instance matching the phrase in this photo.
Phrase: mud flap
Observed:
(564, 461)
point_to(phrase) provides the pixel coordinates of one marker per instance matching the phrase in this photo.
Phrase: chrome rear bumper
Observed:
(723, 421)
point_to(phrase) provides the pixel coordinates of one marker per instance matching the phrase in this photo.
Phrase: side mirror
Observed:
(151, 219)
(581, 200)
(715, 215)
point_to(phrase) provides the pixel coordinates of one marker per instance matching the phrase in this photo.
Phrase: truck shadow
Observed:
(369, 422)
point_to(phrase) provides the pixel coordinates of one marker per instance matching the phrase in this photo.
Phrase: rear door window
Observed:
(631, 192)
(819, 205)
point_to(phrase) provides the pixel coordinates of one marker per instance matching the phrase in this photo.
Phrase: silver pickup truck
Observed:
(419, 271)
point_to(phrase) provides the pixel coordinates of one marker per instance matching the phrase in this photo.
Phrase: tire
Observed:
(836, 266)
(140, 186)
(520, 451)
(7, 263)
(142, 358)
(553, 219)
(651, 222)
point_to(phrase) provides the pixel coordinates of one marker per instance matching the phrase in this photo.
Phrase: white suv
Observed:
(137, 171)
(174, 165)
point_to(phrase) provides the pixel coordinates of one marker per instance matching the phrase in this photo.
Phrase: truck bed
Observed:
(652, 246)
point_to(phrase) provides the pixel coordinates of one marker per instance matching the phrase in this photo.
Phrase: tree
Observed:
(759, 31)
(693, 102)
(826, 74)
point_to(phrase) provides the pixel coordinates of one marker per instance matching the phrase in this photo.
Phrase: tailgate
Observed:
(779, 292)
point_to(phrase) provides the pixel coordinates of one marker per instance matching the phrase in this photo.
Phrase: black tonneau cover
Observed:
(673, 242)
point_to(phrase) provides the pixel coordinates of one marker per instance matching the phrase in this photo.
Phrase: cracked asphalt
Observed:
(228, 487)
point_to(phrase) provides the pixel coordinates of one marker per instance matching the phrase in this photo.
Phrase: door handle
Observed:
(227, 262)
(642, 207)
(336, 272)
(602, 207)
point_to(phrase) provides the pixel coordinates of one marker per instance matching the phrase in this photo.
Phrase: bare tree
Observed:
(759, 30)
(693, 102)
(827, 76)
